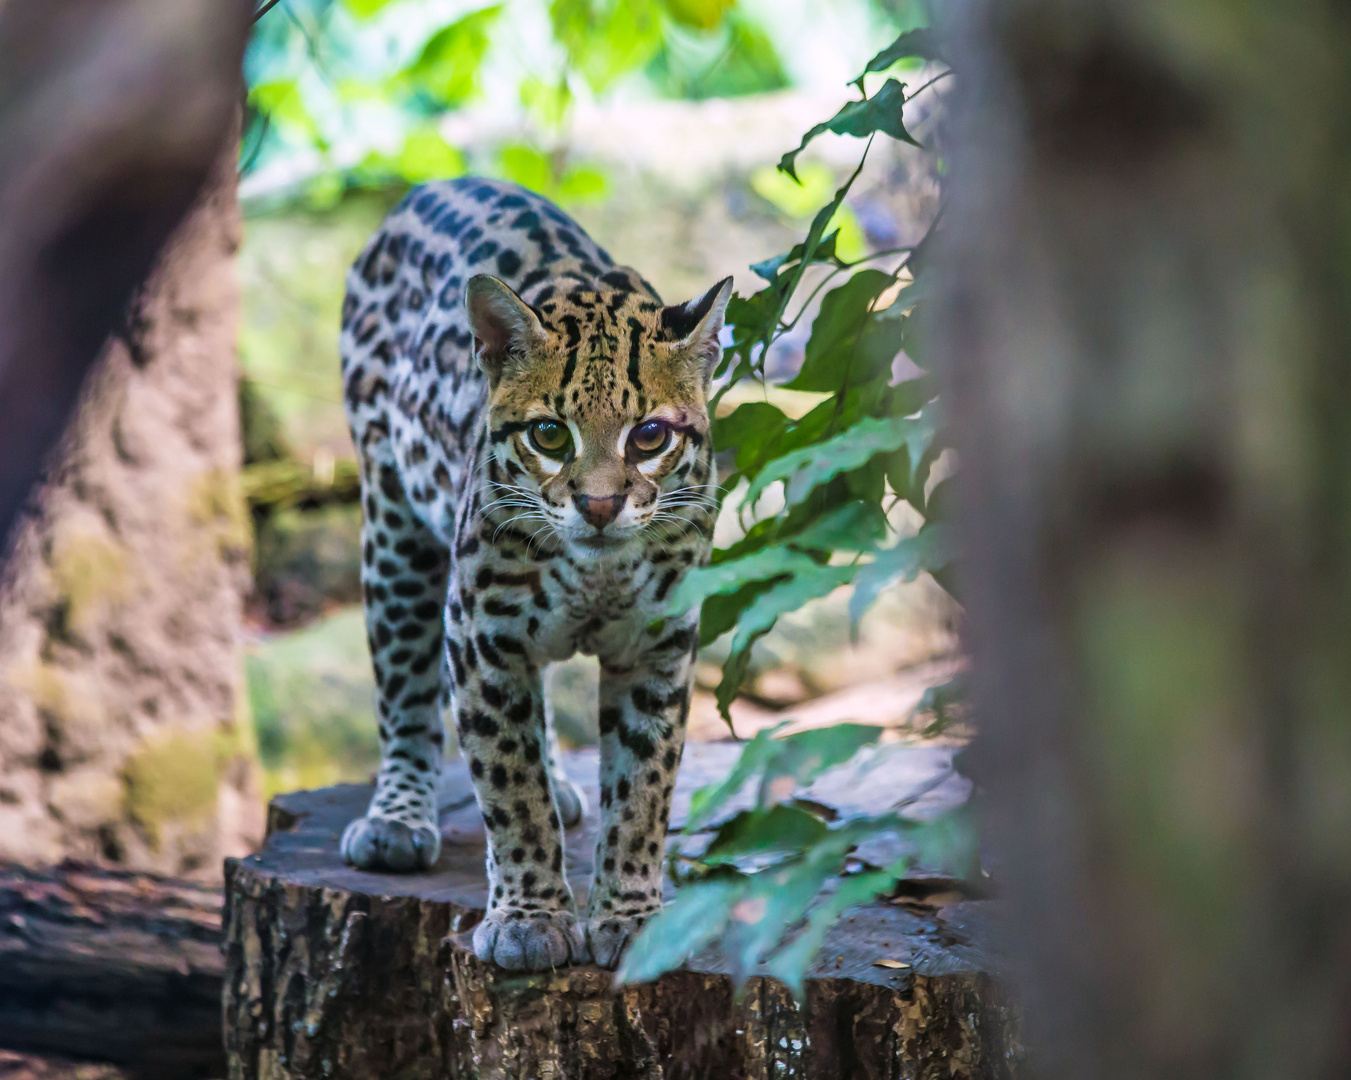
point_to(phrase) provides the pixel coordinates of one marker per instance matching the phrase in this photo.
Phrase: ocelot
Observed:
(536, 475)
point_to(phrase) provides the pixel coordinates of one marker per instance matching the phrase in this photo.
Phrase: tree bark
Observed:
(333, 973)
(123, 734)
(1146, 326)
(112, 967)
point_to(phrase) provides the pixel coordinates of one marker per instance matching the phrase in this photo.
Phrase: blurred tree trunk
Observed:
(1147, 326)
(123, 732)
(112, 113)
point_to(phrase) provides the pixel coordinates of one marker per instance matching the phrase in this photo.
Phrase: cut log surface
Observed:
(334, 973)
(111, 966)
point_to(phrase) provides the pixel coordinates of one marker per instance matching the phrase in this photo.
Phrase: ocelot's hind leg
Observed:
(404, 574)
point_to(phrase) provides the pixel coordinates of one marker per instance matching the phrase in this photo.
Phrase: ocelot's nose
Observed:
(599, 510)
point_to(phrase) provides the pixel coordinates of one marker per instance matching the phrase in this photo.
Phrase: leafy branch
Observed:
(765, 883)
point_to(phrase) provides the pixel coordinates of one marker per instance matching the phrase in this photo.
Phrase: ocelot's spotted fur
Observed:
(536, 476)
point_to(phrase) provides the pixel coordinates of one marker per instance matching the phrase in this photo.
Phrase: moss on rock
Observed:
(88, 571)
(171, 779)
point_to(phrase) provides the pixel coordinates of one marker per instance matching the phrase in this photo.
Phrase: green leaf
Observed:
(807, 583)
(811, 527)
(721, 611)
(758, 536)
(756, 320)
(769, 268)
(779, 897)
(882, 112)
(426, 156)
(838, 414)
(802, 757)
(779, 828)
(949, 843)
(606, 39)
(838, 352)
(775, 899)
(284, 104)
(728, 54)
(546, 101)
(855, 526)
(804, 469)
(703, 581)
(931, 549)
(924, 44)
(364, 9)
(755, 755)
(695, 917)
(734, 670)
(700, 14)
(790, 963)
(794, 198)
(749, 428)
(581, 184)
(782, 765)
(446, 70)
(527, 166)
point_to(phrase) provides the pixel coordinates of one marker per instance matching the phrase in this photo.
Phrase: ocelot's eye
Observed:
(551, 438)
(650, 438)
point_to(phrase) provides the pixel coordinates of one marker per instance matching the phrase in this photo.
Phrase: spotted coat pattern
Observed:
(478, 311)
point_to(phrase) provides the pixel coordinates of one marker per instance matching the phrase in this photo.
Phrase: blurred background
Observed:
(172, 538)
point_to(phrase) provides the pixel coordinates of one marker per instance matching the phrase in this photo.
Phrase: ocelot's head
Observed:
(598, 420)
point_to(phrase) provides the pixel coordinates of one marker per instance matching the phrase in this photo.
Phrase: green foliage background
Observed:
(349, 91)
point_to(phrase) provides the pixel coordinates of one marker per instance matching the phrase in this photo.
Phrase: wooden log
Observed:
(16, 1066)
(112, 966)
(333, 973)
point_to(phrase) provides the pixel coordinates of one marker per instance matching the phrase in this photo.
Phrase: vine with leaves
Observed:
(767, 882)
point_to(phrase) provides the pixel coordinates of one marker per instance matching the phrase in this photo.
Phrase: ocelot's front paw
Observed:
(376, 843)
(529, 940)
(608, 936)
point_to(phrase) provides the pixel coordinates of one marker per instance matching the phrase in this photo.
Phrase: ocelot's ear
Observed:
(694, 327)
(504, 326)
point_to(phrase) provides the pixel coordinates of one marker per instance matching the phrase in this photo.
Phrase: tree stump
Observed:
(331, 972)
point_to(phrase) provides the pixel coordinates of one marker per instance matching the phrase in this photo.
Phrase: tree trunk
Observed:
(123, 734)
(332, 973)
(112, 113)
(112, 967)
(1147, 325)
